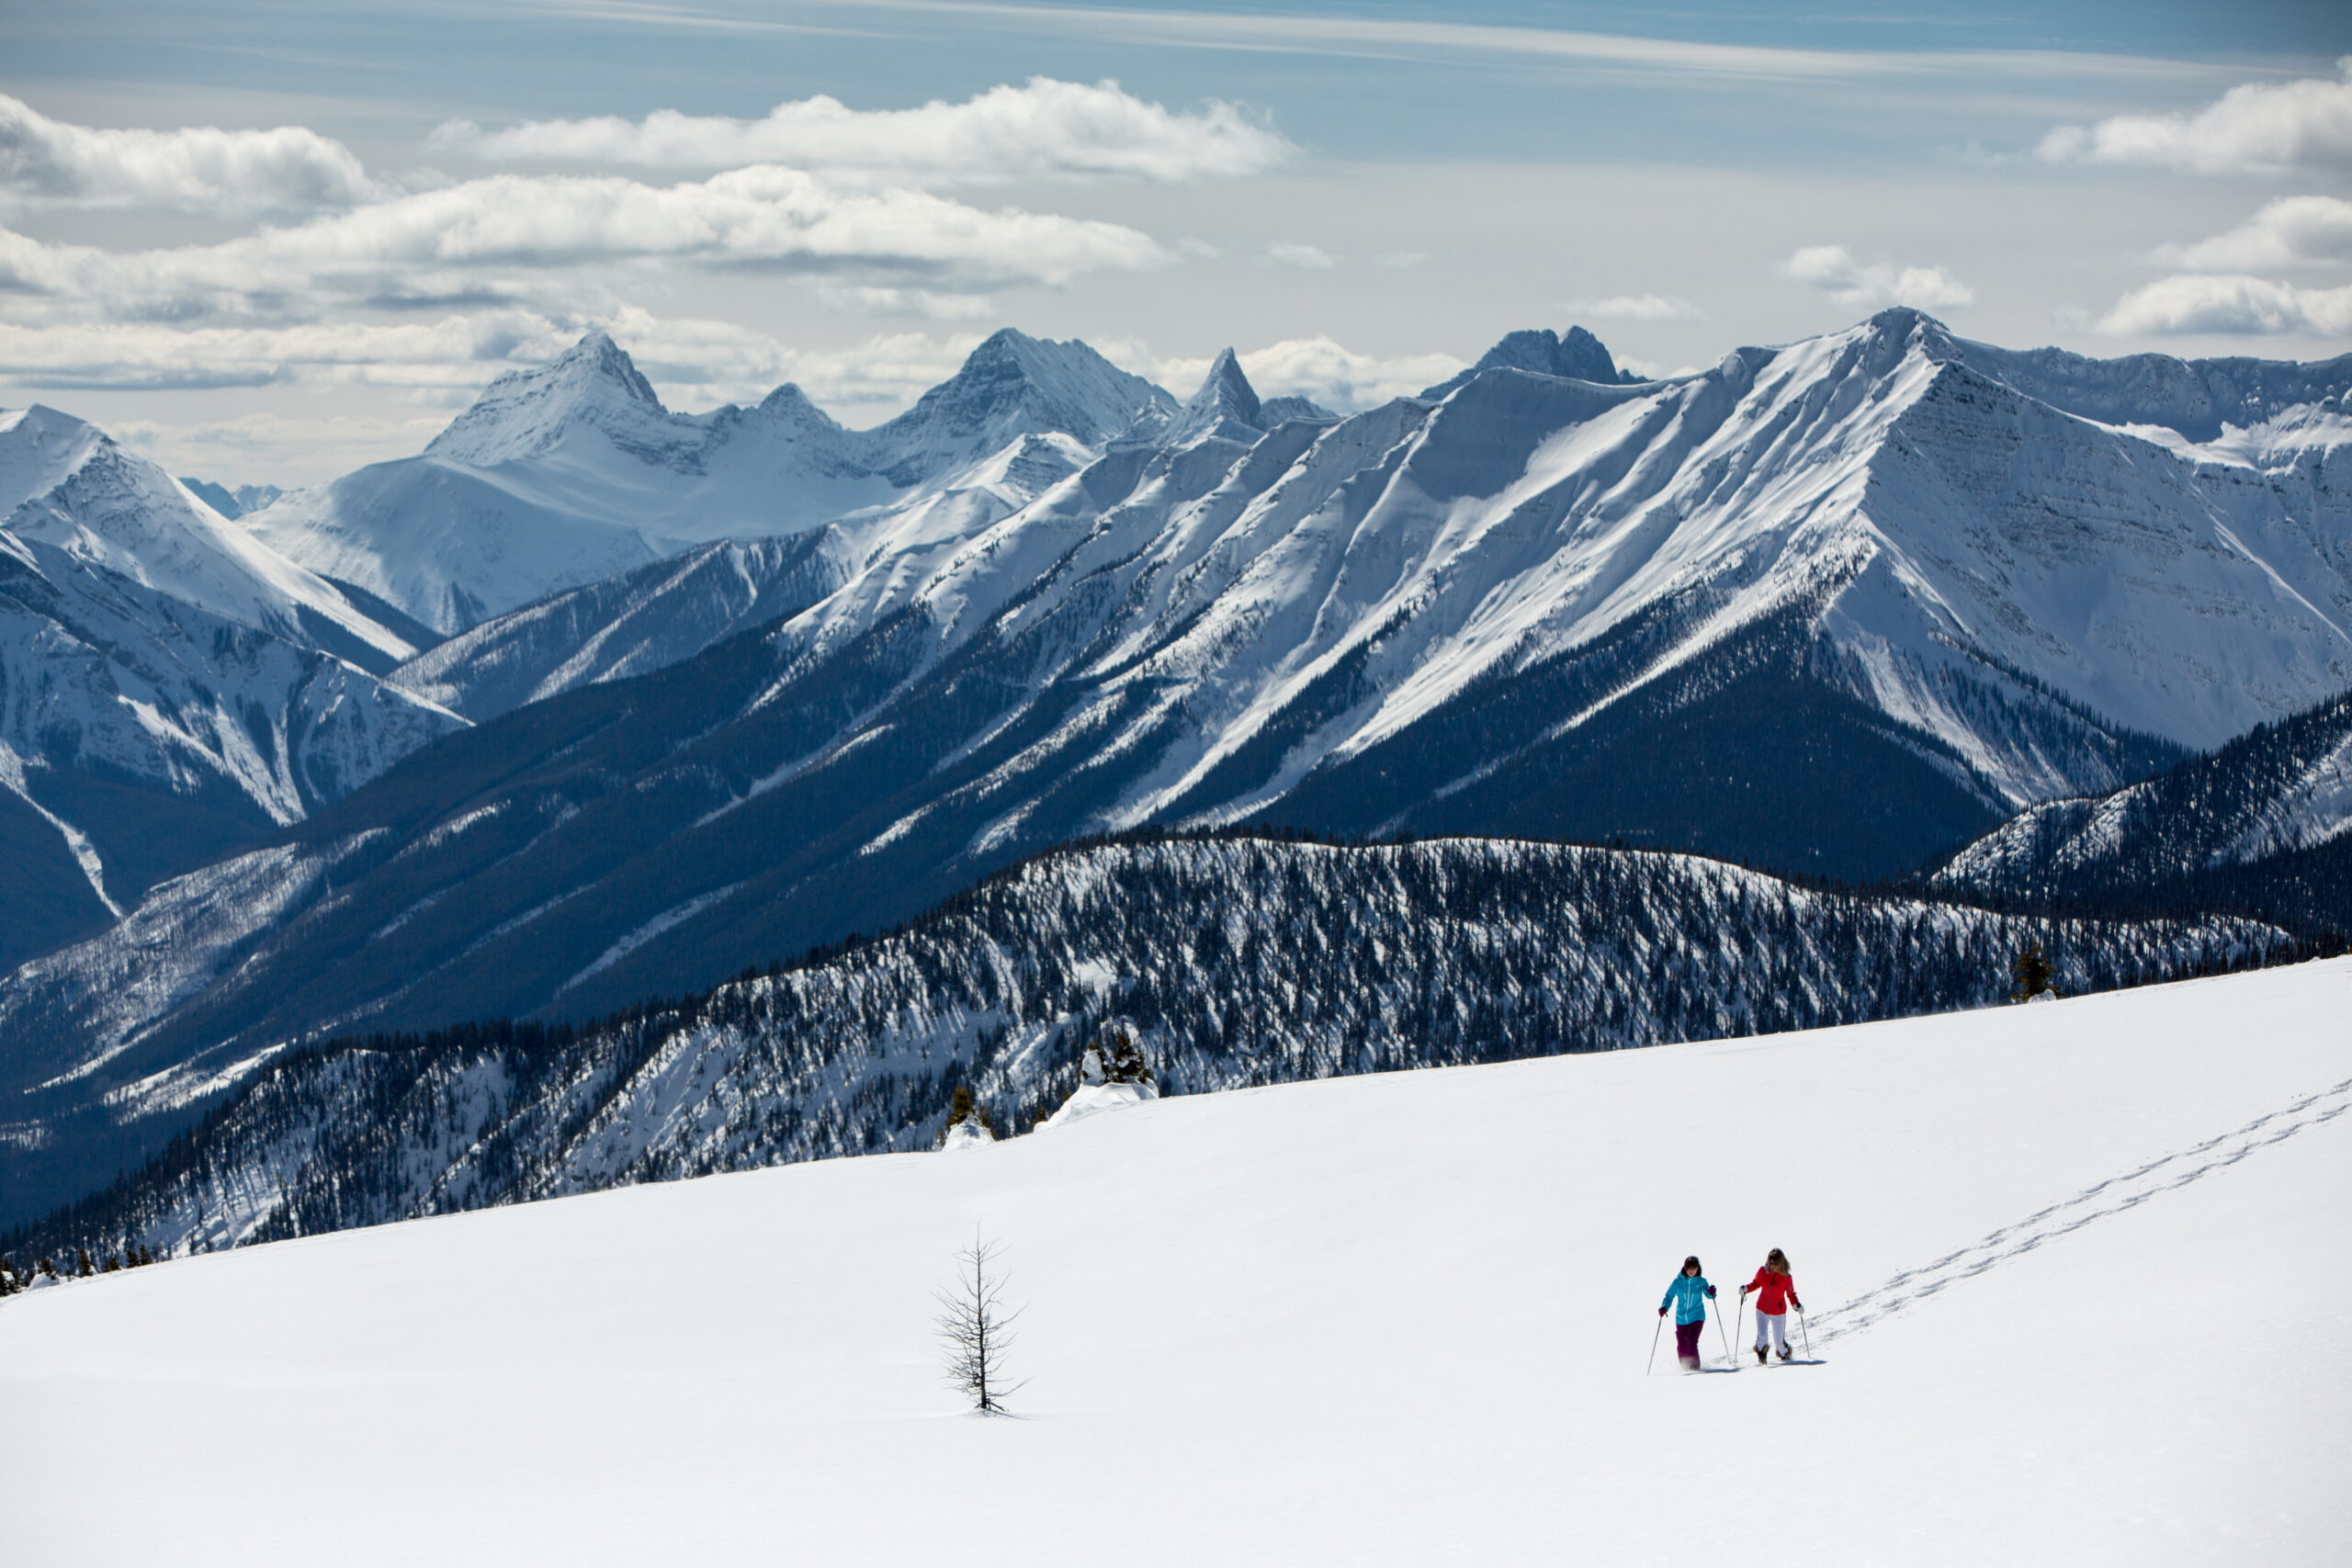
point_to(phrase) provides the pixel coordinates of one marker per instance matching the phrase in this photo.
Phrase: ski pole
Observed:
(1805, 1329)
(1725, 1337)
(1650, 1365)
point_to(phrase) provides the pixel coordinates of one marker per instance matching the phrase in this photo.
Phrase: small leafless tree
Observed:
(976, 1328)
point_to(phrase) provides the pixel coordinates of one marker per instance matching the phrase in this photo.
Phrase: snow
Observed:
(2074, 1273)
(1094, 1098)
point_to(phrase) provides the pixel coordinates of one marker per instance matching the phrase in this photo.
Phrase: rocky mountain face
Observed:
(169, 687)
(1237, 961)
(573, 472)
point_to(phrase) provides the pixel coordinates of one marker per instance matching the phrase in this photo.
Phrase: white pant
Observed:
(1775, 1324)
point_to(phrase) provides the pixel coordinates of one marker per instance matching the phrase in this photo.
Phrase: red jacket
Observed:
(1774, 1291)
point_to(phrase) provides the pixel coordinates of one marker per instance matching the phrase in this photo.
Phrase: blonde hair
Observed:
(1777, 1261)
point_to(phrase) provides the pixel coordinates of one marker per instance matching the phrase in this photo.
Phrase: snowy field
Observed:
(2081, 1282)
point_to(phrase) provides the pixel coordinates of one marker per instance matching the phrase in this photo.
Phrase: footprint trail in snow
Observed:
(2111, 1197)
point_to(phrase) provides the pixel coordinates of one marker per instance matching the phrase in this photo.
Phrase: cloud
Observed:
(1291, 254)
(203, 168)
(2256, 128)
(496, 238)
(2294, 231)
(1870, 285)
(1637, 308)
(2233, 307)
(1045, 129)
(1316, 367)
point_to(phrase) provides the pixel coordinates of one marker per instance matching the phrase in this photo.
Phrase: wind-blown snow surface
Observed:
(2072, 1291)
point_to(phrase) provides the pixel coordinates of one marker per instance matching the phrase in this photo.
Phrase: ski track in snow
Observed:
(2127, 1191)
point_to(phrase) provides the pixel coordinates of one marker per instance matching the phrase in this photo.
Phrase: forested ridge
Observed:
(1239, 960)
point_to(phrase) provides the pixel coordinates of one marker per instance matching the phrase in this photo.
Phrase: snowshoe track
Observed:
(2107, 1198)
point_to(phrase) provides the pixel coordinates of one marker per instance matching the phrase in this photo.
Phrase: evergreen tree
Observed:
(82, 1269)
(2029, 974)
(1116, 1057)
(961, 1108)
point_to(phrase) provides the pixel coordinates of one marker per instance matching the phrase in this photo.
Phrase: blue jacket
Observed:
(1688, 1296)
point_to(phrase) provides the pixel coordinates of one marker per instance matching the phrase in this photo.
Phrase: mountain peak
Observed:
(1015, 385)
(1226, 405)
(525, 413)
(1577, 356)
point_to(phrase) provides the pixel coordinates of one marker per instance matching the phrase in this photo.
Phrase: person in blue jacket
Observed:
(1689, 1296)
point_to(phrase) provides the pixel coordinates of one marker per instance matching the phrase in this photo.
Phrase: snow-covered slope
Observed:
(2069, 1293)
(66, 484)
(168, 685)
(573, 472)
(1239, 963)
(630, 625)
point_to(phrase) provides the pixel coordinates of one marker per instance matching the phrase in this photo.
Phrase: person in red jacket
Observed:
(1774, 1288)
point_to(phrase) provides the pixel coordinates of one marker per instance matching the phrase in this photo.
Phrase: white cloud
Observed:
(1637, 308)
(1045, 129)
(1870, 285)
(2294, 231)
(2254, 128)
(2237, 306)
(498, 239)
(200, 167)
(1290, 253)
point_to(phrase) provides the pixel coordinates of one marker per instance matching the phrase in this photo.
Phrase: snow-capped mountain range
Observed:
(1836, 607)
(169, 685)
(572, 473)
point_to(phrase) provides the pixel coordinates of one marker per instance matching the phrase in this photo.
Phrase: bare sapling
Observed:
(976, 1328)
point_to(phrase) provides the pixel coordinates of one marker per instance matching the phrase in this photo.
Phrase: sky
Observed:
(266, 241)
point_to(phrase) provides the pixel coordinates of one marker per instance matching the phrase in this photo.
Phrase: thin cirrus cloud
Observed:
(201, 167)
(1636, 308)
(2232, 306)
(1046, 129)
(1868, 286)
(2256, 128)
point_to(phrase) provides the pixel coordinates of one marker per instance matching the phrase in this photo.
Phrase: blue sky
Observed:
(1356, 196)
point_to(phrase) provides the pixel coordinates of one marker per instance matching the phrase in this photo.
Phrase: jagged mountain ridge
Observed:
(1839, 606)
(573, 472)
(1244, 963)
(169, 687)
(1226, 628)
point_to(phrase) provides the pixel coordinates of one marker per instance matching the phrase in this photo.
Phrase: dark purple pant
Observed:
(1686, 1341)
